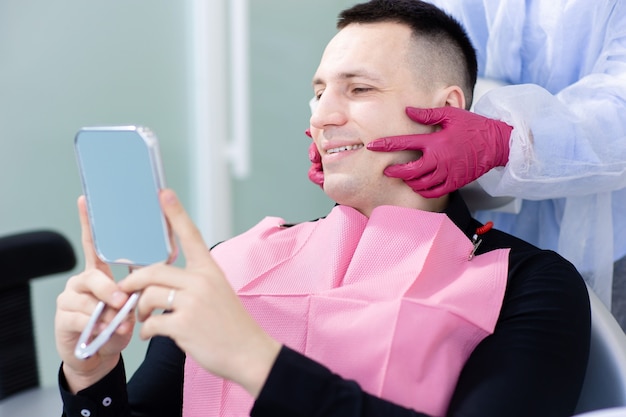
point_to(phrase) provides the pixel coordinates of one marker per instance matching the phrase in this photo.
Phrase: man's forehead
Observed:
(378, 35)
(363, 51)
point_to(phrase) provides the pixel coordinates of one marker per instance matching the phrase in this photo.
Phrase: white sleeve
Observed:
(568, 144)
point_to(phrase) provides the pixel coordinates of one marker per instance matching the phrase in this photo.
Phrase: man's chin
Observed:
(342, 190)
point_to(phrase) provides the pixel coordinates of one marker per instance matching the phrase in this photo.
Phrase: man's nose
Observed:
(328, 110)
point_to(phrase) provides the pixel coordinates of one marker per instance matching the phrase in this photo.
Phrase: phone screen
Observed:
(121, 175)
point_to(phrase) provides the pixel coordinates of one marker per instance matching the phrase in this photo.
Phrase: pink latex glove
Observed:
(316, 172)
(467, 146)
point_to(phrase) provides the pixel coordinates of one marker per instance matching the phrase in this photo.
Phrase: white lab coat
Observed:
(566, 61)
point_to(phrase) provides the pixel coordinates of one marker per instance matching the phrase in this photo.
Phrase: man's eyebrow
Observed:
(348, 75)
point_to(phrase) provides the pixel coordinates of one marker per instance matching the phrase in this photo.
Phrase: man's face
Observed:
(363, 84)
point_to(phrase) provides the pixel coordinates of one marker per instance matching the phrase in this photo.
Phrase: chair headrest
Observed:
(33, 254)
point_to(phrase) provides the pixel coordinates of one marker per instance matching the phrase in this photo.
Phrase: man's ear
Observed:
(451, 96)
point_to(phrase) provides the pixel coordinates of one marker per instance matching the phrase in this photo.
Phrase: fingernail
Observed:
(118, 298)
(170, 197)
(377, 144)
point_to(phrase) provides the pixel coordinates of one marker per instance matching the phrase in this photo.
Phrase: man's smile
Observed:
(344, 148)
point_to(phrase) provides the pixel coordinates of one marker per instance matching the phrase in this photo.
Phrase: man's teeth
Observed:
(345, 148)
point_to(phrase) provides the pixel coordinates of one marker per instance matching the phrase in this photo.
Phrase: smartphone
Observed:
(121, 173)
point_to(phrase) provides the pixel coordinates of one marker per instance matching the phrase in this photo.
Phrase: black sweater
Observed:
(532, 365)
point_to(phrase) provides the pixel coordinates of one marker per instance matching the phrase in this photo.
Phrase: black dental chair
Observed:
(23, 257)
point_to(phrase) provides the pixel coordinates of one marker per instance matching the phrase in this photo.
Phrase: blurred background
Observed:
(224, 84)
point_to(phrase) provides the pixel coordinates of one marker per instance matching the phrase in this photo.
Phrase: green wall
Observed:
(71, 63)
(64, 65)
(287, 41)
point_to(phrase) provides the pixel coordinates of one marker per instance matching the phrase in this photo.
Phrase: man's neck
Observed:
(420, 203)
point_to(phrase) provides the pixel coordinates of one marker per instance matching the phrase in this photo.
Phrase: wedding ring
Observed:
(170, 299)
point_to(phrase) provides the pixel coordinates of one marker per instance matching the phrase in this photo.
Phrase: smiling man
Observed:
(361, 91)
(392, 304)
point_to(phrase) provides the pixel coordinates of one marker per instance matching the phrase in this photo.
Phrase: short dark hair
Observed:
(426, 22)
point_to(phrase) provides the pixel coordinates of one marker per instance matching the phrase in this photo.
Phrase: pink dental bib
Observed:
(391, 301)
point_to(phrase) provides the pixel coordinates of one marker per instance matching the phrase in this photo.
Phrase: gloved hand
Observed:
(467, 146)
(316, 173)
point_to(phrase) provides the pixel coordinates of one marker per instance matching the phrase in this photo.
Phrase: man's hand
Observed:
(467, 146)
(206, 319)
(74, 308)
